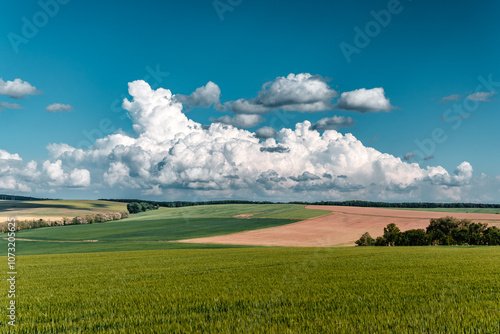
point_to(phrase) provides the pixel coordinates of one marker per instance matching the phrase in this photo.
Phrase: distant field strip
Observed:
(166, 225)
(261, 290)
(341, 227)
(414, 214)
(56, 209)
(454, 210)
(151, 230)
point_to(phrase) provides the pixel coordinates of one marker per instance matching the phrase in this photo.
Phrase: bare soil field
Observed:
(341, 227)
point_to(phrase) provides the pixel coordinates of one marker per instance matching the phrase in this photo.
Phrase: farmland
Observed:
(262, 290)
(455, 210)
(134, 275)
(159, 228)
(56, 209)
(340, 227)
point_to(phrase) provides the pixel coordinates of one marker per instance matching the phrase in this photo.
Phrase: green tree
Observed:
(134, 207)
(413, 238)
(365, 240)
(391, 234)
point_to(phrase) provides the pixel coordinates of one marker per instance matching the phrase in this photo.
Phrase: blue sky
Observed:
(87, 52)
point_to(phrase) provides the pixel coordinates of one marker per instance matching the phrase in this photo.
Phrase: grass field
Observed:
(152, 229)
(262, 290)
(285, 211)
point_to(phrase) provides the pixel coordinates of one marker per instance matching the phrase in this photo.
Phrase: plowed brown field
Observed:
(341, 227)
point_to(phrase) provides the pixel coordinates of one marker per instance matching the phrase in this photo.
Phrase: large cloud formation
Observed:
(172, 156)
(17, 176)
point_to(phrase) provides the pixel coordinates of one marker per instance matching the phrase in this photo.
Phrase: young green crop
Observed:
(262, 290)
(145, 230)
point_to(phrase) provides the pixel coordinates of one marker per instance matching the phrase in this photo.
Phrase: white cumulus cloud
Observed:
(240, 120)
(17, 88)
(205, 96)
(54, 107)
(364, 100)
(296, 92)
(171, 154)
(333, 123)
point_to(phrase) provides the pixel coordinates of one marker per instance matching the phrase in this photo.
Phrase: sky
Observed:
(260, 100)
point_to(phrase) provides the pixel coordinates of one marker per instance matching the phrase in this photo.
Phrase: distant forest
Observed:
(6, 197)
(176, 204)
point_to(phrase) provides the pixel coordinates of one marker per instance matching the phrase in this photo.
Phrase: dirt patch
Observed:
(486, 217)
(340, 228)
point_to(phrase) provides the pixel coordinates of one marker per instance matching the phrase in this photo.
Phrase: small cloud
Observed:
(240, 120)
(454, 97)
(365, 100)
(54, 107)
(306, 176)
(7, 105)
(275, 149)
(333, 123)
(301, 92)
(204, 96)
(481, 96)
(428, 157)
(265, 132)
(17, 89)
(409, 156)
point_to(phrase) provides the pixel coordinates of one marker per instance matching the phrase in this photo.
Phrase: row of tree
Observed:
(441, 231)
(178, 204)
(6, 197)
(87, 219)
(136, 207)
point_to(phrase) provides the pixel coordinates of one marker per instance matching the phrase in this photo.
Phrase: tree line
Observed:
(79, 220)
(441, 231)
(178, 204)
(6, 197)
(357, 203)
(136, 207)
